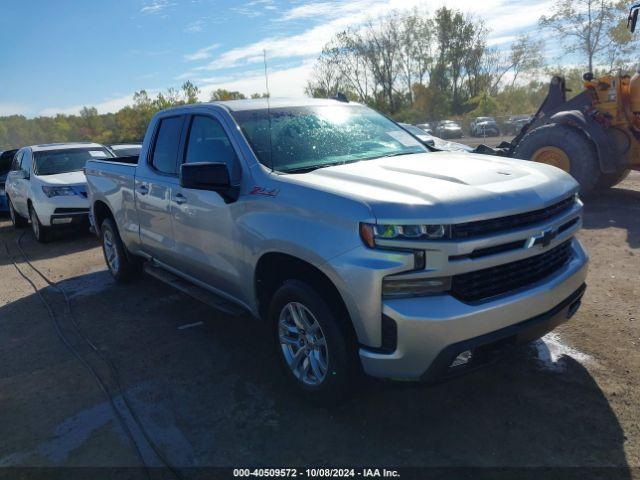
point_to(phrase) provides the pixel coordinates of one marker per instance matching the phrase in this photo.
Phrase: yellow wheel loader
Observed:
(595, 136)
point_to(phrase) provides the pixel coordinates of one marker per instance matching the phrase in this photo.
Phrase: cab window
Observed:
(15, 165)
(27, 161)
(208, 142)
(165, 150)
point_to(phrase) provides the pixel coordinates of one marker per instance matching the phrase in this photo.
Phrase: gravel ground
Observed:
(210, 394)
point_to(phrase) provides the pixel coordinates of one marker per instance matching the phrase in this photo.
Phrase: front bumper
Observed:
(430, 328)
(62, 211)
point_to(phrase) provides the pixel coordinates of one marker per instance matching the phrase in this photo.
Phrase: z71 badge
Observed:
(269, 192)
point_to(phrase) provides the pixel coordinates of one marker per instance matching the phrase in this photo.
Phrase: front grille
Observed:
(72, 211)
(485, 227)
(489, 282)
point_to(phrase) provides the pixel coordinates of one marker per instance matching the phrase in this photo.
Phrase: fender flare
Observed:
(595, 132)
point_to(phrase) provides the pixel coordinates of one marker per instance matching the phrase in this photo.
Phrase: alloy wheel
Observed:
(110, 251)
(303, 344)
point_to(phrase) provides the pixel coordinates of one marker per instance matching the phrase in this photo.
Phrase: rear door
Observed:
(156, 179)
(204, 223)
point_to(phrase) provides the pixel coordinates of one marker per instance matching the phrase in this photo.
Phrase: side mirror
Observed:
(20, 175)
(208, 176)
(633, 18)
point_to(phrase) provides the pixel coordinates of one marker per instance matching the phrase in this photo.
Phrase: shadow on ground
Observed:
(615, 207)
(211, 395)
(65, 241)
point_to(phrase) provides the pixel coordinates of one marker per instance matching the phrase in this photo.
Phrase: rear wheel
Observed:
(313, 346)
(42, 233)
(122, 265)
(16, 219)
(566, 148)
(608, 180)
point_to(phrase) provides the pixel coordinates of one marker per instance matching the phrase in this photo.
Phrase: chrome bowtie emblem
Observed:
(543, 238)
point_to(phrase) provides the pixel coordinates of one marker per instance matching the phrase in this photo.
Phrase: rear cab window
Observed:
(167, 144)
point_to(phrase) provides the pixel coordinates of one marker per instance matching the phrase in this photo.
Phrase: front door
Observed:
(156, 179)
(204, 222)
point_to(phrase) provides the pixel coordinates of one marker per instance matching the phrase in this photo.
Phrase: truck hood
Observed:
(68, 178)
(444, 187)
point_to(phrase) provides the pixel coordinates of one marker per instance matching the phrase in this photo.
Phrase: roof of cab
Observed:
(62, 146)
(262, 104)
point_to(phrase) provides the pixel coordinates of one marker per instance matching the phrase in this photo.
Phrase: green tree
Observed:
(222, 94)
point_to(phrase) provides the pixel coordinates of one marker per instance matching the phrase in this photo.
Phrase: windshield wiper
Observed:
(397, 154)
(311, 168)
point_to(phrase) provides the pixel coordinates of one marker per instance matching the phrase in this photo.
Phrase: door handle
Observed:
(179, 199)
(143, 189)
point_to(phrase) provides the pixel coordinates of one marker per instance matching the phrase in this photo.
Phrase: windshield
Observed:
(51, 162)
(296, 139)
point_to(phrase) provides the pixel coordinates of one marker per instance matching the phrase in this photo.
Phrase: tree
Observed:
(222, 94)
(190, 92)
(586, 27)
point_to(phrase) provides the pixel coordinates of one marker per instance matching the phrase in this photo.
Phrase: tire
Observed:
(42, 233)
(17, 220)
(608, 180)
(324, 383)
(122, 265)
(580, 152)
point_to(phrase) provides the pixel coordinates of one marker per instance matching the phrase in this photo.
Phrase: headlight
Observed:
(370, 233)
(59, 191)
(419, 287)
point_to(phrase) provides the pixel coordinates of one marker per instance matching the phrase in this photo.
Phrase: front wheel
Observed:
(312, 345)
(122, 266)
(42, 233)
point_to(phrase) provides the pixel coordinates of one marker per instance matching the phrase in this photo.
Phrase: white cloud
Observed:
(310, 42)
(195, 26)
(288, 82)
(155, 7)
(201, 54)
(106, 106)
(255, 8)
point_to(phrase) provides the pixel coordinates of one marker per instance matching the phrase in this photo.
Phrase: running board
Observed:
(199, 293)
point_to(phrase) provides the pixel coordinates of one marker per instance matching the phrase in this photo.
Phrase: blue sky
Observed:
(58, 56)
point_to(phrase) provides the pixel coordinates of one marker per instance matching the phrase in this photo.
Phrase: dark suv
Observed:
(6, 158)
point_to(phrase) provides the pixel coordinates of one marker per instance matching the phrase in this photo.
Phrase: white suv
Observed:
(47, 185)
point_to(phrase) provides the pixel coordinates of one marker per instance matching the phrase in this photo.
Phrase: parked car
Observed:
(514, 124)
(433, 141)
(356, 245)
(6, 158)
(126, 149)
(427, 127)
(484, 127)
(47, 186)
(448, 129)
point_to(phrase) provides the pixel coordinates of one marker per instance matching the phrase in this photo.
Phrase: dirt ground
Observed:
(209, 393)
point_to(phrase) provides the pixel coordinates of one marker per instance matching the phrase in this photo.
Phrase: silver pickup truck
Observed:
(361, 248)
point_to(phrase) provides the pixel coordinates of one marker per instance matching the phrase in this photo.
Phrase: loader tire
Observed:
(608, 180)
(564, 147)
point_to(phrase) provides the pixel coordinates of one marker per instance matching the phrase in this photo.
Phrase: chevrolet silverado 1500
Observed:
(360, 247)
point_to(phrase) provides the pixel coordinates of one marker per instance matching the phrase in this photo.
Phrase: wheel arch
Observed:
(595, 132)
(101, 211)
(274, 268)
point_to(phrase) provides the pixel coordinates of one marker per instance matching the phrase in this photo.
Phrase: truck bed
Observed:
(113, 182)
